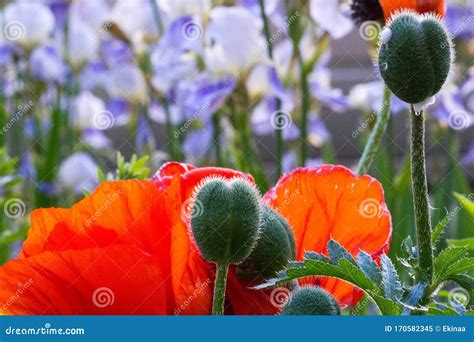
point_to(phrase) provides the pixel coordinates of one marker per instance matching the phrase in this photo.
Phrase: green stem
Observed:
(219, 289)
(3, 120)
(278, 132)
(157, 16)
(420, 195)
(305, 106)
(376, 135)
(217, 134)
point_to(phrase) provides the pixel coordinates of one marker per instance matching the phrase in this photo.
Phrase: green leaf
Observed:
(390, 281)
(451, 262)
(467, 243)
(369, 267)
(315, 264)
(466, 202)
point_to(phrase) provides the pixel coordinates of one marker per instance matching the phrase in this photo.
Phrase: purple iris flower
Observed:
(204, 95)
(47, 65)
(115, 51)
(459, 19)
(198, 142)
(92, 76)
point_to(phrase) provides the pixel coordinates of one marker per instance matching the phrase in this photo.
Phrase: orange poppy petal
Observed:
(330, 202)
(421, 6)
(98, 281)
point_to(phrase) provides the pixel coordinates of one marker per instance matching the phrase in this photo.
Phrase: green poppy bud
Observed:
(415, 56)
(274, 249)
(311, 301)
(227, 228)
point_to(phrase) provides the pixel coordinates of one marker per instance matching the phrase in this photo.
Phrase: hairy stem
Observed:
(219, 289)
(376, 135)
(420, 195)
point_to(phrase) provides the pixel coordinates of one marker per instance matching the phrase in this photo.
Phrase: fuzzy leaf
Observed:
(451, 262)
(414, 295)
(468, 243)
(390, 282)
(337, 252)
(369, 267)
(316, 265)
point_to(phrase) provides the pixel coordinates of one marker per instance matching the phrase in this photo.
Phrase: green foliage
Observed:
(382, 283)
(135, 169)
(274, 249)
(416, 45)
(311, 301)
(315, 264)
(225, 220)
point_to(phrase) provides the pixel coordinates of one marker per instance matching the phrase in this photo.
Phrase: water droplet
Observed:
(385, 66)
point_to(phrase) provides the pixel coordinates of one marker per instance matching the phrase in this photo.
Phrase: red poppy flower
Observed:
(126, 249)
(420, 6)
(330, 202)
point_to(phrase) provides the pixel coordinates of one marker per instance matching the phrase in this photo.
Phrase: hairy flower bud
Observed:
(311, 301)
(415, 56)
(228, 227)
(274, 249)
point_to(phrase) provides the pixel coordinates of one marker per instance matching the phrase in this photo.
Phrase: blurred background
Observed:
(112, 89)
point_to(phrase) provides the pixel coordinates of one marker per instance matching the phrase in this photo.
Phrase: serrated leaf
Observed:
(369, 267)
(315, 256)
(447, 264)
(346, 270)
(337, 252)
(390, 282)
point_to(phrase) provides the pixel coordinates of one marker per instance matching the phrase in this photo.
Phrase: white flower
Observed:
(234, 41)
(86, 107)
(78, 172)
(328, 15)
(93, 13)
(27, 23)
(83, 43)
(179, 8)
(135, 19)
(126, 81)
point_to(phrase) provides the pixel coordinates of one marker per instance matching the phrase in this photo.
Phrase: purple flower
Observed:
(197, 143)
(369, 97)
(289, 161)
(318, 133)
(92, 75)
(115, 51)
(469, 156)
(96, 138)
(201, 97)
(78, 172)
(47, 65)
(459, 21)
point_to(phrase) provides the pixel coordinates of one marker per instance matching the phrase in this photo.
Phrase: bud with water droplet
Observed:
(415, 56)
(274, 249)
(311, 301)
